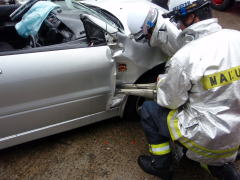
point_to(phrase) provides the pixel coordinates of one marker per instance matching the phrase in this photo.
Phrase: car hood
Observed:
(131, 13)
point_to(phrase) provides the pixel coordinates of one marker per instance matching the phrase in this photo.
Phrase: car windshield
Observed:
(97, 12)
(92, 10)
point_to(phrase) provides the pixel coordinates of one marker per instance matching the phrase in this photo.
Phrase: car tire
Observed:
(133, 106)
(221, 5)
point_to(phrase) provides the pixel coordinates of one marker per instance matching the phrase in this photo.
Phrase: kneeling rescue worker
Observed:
(198, 99)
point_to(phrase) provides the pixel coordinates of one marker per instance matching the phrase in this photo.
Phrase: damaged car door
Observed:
(52, 89)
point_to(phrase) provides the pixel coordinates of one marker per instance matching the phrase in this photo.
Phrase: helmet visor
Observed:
(150, 22)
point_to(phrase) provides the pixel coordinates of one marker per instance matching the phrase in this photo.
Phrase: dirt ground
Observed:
(104, 151)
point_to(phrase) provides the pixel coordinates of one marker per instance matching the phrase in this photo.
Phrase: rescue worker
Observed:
(198, 99)
(161, 3)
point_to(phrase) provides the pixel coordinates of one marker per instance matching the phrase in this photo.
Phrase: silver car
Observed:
(66, 76)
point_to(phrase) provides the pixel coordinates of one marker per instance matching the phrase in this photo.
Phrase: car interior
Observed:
(62, 28)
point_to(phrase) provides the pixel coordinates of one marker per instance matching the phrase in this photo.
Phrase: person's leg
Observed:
(154, 123)
(226, 171)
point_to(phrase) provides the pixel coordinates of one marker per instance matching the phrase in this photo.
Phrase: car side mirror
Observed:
(101, 24)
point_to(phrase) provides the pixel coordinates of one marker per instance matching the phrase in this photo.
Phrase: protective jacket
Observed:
(202, 83)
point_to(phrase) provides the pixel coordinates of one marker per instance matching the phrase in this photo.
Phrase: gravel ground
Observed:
(104, 151)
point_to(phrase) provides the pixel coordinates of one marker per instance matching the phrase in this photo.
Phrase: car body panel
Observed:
(138, 56)
(56, 128)
(46, 88)
(51, 89)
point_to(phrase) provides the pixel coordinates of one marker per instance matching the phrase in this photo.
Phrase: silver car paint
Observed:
(44, 93)
(45, 88)
(138, 56)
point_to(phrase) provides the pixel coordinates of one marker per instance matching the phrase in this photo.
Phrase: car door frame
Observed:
(14, 118)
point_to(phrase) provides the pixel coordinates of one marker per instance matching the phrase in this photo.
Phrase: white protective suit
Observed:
(203, 83)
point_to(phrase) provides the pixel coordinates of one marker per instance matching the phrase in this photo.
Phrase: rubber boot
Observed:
(160, 166)
(225, 172)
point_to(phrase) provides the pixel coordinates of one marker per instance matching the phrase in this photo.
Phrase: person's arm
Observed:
(165, 36)
(173, 87)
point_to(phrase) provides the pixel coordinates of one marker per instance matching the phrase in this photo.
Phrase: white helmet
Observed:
(179, 8)
(178, 4)
(136, 15)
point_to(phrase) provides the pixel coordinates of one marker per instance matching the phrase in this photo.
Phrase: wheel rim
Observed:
(218, 2)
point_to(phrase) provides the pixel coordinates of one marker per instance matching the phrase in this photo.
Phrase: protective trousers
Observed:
(154, 122)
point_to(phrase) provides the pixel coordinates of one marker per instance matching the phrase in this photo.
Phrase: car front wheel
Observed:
(221, 5)
(133, 106)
